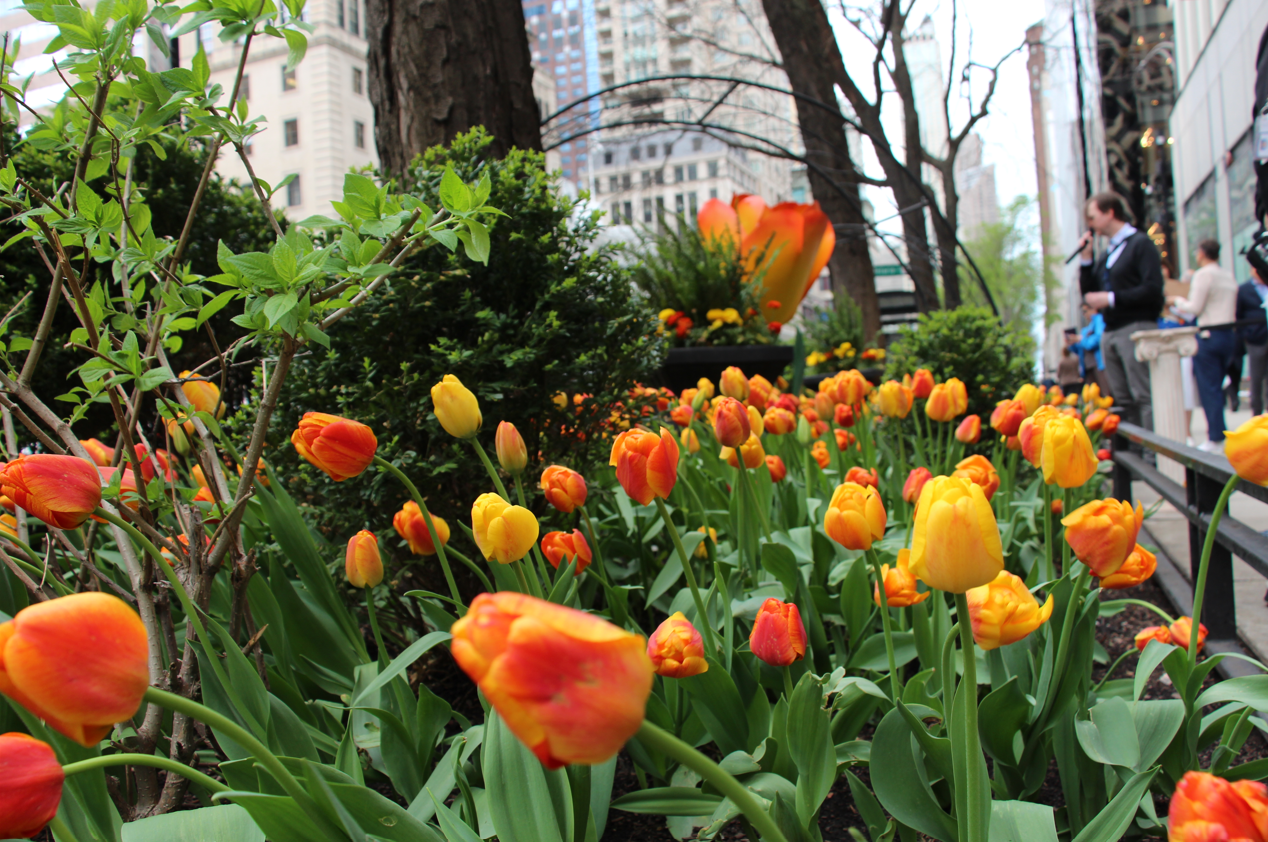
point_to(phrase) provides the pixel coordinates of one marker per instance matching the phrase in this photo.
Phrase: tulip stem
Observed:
(488, 466)
(1129, 651)
(475, 568)
(661, 740)
(1066, 495)
(60, 830)
(886, 625)
(746, 481)
(1199, 586)
(594, 546)
(228, 728)
(1049, 568)
(948, 671)
(374, 626)
(537, 552)
(192, 775)
(1154, 608)
(788, 683)
(690, 574)
(525, 587)
(969, 789)
(431, 527)
(1063, 657)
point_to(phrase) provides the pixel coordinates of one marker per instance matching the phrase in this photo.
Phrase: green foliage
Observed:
(1006, 254)
(549, 314)
(834, 337)
(705, 291)
(970, 344)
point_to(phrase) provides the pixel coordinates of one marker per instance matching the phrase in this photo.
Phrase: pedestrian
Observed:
(1125, 285)
(1213, 300)
(1088, 348)
(1252, 304)
(1070, 366)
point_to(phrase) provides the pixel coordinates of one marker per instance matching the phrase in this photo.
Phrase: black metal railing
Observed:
(1205, 475)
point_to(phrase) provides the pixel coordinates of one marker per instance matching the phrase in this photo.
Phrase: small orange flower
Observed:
(1110, 426)
(733, 383)
(1207, 808)
(1182, 633)
(900, 584)
(1030, 433)
(511, 450)
(844, 415)
(778, 636)
(980, 471)
(409, 524)
(646, 464)
(970, 430)
(362, 563)
(62, 491)
(855, 516)
(100, 453)
(759, 391)
(681, 415)
(1004, 611)
(339, 447)
(861, 477)
(1008, 416)
(915, 482)
(1140, 565)
(32, 790)
(779, 421)
(565, 489)
(844, 438)
(895, 399)
(731, 423)
(778, 470)
(922, 383)
(203, 395)
(752, 451)
(677, 649)
(1247, 450)
(1103, 534)
(690, 440)
(563, 547)
(1095, 419)
(820, 453)
(1162, 634)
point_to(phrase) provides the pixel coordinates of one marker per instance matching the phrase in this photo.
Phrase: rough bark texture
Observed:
(806, 46)
(441, 67)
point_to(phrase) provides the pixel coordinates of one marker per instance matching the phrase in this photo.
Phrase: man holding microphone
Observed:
(1125, 285)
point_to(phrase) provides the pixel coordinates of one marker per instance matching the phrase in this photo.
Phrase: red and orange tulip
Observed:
(778, 470)
(731, 423)
(62, 491)
(970, 430)
(1007, 417)
(362, 563)
(339, 447)
(1003, 611)
(778, 636)
(900, 584)
(562, 547)
(100, 453)
(1207, 808)
(410, 525)
(203, 395)
(922, 383)
(1103, 534)
(978, 469)
(1140, 565)
(571, 686)
(915, 482)
(1030, 433)
(565, 489)
(676, 648)
(1182, 633)
(646, 464)
(733, 383)
(32, 789)
(1162, 634)
(779, 421)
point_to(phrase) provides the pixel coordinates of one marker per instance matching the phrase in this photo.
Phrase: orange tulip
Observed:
(409, 524)
(844, 438)
(690, 440)
(752, 451)
(1182, 633)
(941, 403)
(1003, 611)
(1247, 450)
(1055, 395)
(1110, 426)
(646, 464)
(1095, 419)
(127, 487)
(779, 421)
(676, 648)
(565, 489)
(733, 383)
(563, 547)
(511, 450)
(84, 695)
(362, 562)
(915, 482)
(1140, 565)
(339, 447)
(162, 457)
(970, 430)
(1103, 534)
(1162, 634)
(824, 406)
(719, 224)
(62, 491)
(760, 391)
(852, 388)
(855, 517)
(922, 383)
(900, 584)
(778, 470)
(1007, 417)
(820, 453)
(32, 789)
(1030, 434)
(980, 471)
(1207, 808)
(844, 415)
(100, 453)
(1091, 393)
(895, 399)
(756, 423)
(1012, 443)
(571, 686)
(1057, 507)
(862, 477)
(203, 395)
(731, 423)
(682, 415)
(199, 477)
(794, 241)
(778, 636)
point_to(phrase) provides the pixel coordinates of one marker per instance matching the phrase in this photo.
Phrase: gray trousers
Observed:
(1258, 355)
(1128, 377)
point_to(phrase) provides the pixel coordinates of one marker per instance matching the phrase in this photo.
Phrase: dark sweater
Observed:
(1135, 279)
(1251, 306)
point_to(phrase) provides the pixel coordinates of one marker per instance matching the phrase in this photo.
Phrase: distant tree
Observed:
(1008, 256)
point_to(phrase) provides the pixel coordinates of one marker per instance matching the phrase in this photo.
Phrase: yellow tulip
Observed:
(1003, 611)
(895, 399)
(734, 384)
(855, 517)
(456, 408)
(1247, 450)
(1031, 396)
(502, 531)
(955, 542)
(1068, 459)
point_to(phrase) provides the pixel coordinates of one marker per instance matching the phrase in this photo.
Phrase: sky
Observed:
(994, 28)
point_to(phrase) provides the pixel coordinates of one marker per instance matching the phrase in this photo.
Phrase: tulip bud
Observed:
(362, 563)
(698, 399)
(955, 540)
(861, 477)
(84, 695)
(565, 489)
(805, 434)
(1004, 611)
(1140, 565)
(1247, 449)
(512, 453)
(100, 453)
(502, 531)
(203, 395)
(820, 454)
(731, 423)
(562, 547)
(1095, 419)
(1030, 434)
(1058, 507)
(752, 451)
(915, 482)
(970, 430)
(900, 584)
(776, 467)
(895, 399)
(734, 384)
(1067, 455)
(1162, 634)
(647, 464)
(1110, 426)
(411, 526)
(922, 383)
(1103, 534)
(1007, 417)
(778, 636)
(456, 408)
(339, 447)
(570, 685)
(676, 648)
(941, 404)
(979, 470)
(690, 440)
(1207, 808)
(1182, 633)
(855, 517)
(1104, 454)
(824, 406)
(705, 385)
(32, 789)
(62, 491)
(702, 549)
(1031, 397)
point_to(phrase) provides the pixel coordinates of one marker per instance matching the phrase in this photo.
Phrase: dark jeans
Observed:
(1215, 352)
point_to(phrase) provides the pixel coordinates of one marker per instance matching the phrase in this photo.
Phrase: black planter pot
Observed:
(685, 366)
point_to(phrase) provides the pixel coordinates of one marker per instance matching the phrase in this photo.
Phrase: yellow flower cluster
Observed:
(717, 317)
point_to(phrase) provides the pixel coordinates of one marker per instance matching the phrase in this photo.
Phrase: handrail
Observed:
(1208, 464)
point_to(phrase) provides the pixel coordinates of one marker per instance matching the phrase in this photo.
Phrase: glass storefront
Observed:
(1199, 218)
(1241, 203)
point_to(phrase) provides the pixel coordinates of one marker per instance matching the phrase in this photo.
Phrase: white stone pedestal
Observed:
(1162, 349)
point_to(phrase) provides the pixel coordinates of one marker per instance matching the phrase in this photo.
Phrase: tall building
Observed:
(1212, 125)
(562, 38)
(975, 183)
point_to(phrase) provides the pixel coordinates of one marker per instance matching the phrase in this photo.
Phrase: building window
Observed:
(647, 210)
(660, 207)
(713, 169)
(651, 151)
(713, 192)
(625, 181)
(354, 17)
(629, 213)
(691, 172)
(567, 173)
(692, 207)
(669, 149)
(636, 153)
(647, 178)
(289, 82)
(293, 195)
(607, 157)
(678, 176)
(290, 130)
(358, 80)
(358, 134)
(659, 177)
(598, 186)
(697, 143)
(616, 213)
(613, 184)
(339, 13)
(679, 206)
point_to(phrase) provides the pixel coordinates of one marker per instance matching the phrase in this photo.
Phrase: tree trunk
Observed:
(441, 67)
(805, 42)
(944, 228)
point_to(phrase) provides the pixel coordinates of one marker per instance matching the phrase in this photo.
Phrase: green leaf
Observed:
(87, 203)
(780, 562)
(1250, 690)
(227, 822)
(279, 817)
(1109, 736)
(872, 655)
(454, 828)
(719, 706)
(402, 662)
(1117, 816)
(296, 46)
(901, 785)
(454, 194)
(669, 801)
(531, 804)
(1000, 716)
(1022, 821)
(278, 306)
(1153, 655)
(811, 747)
(361, 194)
(1157, 722)
(477, 241)
(215, 305)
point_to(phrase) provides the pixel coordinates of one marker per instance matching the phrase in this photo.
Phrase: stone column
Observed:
(1162, 349)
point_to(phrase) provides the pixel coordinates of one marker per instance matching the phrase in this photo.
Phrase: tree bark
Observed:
(441, 67)
(806, 43)
(944, 229)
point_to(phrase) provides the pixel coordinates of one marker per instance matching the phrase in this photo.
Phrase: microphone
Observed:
(1075, 253)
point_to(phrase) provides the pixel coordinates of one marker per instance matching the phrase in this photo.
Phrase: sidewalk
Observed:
(1168, 531)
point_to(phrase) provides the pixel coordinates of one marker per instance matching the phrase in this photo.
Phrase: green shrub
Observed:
(549, 314)
(968, 343)
(834, 336)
